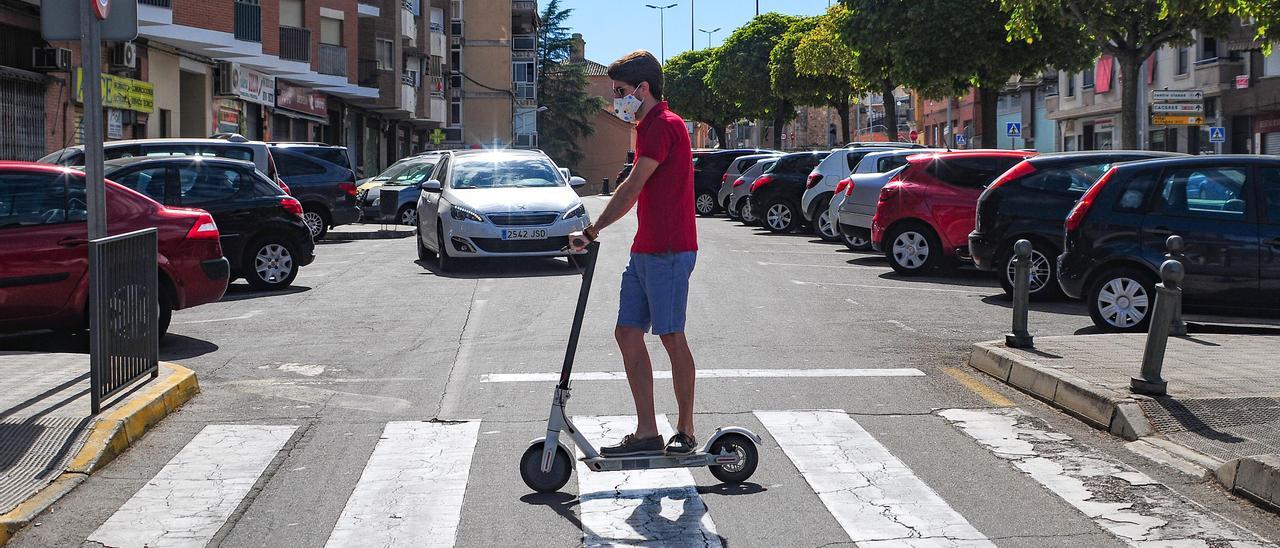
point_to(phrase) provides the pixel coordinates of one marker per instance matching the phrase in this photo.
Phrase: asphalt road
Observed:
(368, 338)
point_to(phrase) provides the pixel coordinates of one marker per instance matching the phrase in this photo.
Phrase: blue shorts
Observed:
(655, 291)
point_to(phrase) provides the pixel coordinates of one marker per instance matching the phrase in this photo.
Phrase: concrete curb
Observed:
(1255, 478)
(110, 435)
(1117, 413)
(374, 235)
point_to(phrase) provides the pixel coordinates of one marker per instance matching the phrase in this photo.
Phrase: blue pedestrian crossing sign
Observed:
(1217, 134)
(1013, 129)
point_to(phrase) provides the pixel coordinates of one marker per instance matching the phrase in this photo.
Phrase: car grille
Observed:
(523, 219)
(496, 245)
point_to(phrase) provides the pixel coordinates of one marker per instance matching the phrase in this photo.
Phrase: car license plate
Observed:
(524, 234)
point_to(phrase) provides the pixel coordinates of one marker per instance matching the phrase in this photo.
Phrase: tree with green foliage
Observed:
(684, 85)
(874, 31)
(823, 52)
(739, 73)
(1129, 30)
(562, 89)
(807, 89)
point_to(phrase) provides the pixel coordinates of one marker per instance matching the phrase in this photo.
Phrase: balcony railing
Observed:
(333, 60)
(157, 3)
(295, 44)
(248, 20)
(524, 43)
(526, 91)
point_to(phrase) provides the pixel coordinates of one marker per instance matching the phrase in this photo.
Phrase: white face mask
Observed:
(625, 108)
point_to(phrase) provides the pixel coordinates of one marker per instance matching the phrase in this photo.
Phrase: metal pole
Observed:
(95, 191)
(692, 45)
(1168, 298)
(1175, 247)
(1020, 337)
(662, 33)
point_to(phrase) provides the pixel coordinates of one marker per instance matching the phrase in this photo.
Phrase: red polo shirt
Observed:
(665, 208)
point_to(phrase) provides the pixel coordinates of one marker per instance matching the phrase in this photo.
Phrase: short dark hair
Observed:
(639, 66)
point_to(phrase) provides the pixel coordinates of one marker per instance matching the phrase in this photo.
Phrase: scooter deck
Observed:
(658, 460)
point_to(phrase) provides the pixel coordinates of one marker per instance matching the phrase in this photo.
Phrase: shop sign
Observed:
(301, 99)
(115, 124)
(253, 86)
(121, 93)
(1267, 125)
(228, 120)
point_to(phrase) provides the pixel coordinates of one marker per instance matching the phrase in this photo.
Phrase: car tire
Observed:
(1044, 272)
(166, 312)
(781, 216)
(913, 249)
(744, 212)
(855, 243)
(424, 252)
(704, 203)
(729, 211)
(407, 215)
(1121, 299)
(824, 226)
(443, 261)
(317, 219)
(271, 263)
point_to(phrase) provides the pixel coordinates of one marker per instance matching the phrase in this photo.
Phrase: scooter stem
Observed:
(593, 251)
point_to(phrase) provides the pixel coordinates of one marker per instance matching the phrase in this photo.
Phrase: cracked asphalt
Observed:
(368, 336)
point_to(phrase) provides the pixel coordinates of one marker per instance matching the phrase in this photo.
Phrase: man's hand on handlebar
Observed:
(578, 240)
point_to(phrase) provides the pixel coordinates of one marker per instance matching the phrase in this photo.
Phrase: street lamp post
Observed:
(662, 33)
(709, 33)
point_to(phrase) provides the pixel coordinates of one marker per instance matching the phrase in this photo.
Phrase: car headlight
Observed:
(460, 213)
(579, 211)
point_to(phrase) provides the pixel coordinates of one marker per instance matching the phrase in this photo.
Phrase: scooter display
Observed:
(730, 453)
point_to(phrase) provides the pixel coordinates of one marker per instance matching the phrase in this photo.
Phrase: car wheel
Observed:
(705, 203)
(271, 263)
(1044, 274)
(855, 243)
(424, 252)
(1122, 299)
(912, 249)
(729, 211)
(317, 220)
(780, 216)
(408, 215)
(823, 224)
(166, 313)
(443, 261)
(744, 212)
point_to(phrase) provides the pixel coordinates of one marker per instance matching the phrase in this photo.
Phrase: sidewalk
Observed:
(49, 442)
(1222, 412)
(369, 231)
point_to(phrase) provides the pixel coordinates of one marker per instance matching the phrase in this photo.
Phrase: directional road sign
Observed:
(1181, 108)
(1177, 95)
(1169, 120)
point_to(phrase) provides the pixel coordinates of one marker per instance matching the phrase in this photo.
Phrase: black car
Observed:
(708, 171)
(775, 195)
(1029, 202)
(1225, 208)
(263, 235)
(327, 190)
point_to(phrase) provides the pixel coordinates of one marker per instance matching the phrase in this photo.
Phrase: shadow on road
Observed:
(732, 489)
(174, 347)
(560, 503)
(955, 276)
(1073, 308)
(73, 342)
(240, 292)
(475, 269)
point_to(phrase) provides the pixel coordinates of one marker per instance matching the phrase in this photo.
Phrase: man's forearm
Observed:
(624, 197)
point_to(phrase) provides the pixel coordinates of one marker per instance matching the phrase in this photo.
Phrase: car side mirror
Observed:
(430, 186)
(577, 181)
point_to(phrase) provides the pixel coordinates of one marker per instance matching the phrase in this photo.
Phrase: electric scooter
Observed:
(731, 452)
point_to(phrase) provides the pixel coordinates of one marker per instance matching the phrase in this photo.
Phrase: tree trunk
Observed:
(1130, 62)
(778, 130)
(890, 109)
(989, 98)
(842, 107)
(720, 133)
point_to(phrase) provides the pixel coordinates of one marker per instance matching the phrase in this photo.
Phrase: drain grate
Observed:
(1170, 415)
(33, 453)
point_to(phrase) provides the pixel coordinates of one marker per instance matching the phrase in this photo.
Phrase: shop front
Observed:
(1266, 132)
(127, 106)
(301, 113)
(246, 98)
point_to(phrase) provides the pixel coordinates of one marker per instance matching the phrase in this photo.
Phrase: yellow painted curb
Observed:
(112, 433)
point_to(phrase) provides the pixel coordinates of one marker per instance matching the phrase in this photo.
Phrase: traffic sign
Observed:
(1013, 129)
(1195, 108)
(1170, 120)
(1177, 95)
(101, 9)
(1217, 134)
(914, 135)
(961, 139)
(120, 25)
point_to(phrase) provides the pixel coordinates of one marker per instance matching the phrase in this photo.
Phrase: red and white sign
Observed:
(1242, 81)
(914, 135)
(101, 8)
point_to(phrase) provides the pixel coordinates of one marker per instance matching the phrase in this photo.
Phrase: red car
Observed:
(44, 264)
(926, 212)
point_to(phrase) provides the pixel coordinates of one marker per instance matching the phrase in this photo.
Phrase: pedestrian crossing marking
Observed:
(186, 503)
(874, 496)
(711, 374)
(411, 490)
(651, 507)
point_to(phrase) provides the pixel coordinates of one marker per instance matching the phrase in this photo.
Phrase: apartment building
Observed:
(966, 119)
(493, 61)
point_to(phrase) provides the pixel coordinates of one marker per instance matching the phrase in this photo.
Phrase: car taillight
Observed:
(849, 191)
(739, 182)
(349, 188)
(1082, 207)
(203, 229)
(724, 178)
(888, 192)
(843, 184)
(1022, 169)
(814, 179)
(761, 182)
(284, 187)
(292, 205)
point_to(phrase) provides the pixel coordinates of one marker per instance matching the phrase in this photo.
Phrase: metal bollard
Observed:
(1020, 337)
(1175, 252)
(604, 185)
(1168, 299)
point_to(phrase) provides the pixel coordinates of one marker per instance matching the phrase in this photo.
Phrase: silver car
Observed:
(740, 196)
(736, 169)
(854, 210)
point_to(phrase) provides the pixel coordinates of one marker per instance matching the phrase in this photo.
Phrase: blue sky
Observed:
(613, 28)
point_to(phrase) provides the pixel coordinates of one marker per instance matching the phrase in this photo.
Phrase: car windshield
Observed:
(500, 171)
(412, 174)
(394, 171)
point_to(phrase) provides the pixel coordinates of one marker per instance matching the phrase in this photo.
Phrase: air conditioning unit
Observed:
(227, 78)
(51, 59)
(124, 55)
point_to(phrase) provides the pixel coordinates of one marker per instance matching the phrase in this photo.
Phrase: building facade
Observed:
(493, 65)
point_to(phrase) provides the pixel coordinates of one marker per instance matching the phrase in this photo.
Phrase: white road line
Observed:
(904, 326)
(244, 316)
(410, 493)
(872, 494)
(634, 507)
(788, 252)
(1137, 509)
(842, 267)
(193, 495)
(710, 374)
(904, 287)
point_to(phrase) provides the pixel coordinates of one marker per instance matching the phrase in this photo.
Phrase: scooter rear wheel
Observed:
(533, 476)
(746, 451)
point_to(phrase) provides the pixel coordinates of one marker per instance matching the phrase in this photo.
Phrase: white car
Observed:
(736, 169)
(740, 197)
(497, 203)
(852, 210)
(821, 186)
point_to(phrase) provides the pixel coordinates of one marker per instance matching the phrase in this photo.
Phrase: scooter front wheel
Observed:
(748, 458)
(545, 482)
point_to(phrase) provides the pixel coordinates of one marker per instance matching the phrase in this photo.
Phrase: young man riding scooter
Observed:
(655, 285)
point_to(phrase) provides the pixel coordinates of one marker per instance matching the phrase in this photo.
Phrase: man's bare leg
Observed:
(683, 377)
(635, 359)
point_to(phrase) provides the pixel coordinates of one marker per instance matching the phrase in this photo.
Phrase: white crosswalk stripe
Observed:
(194, 494)
(876, 498)
(713, 374)
(411, 491)
(653, 507)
